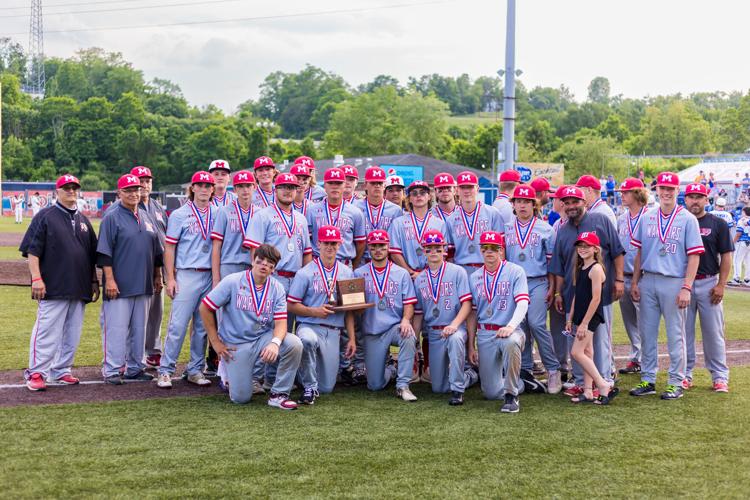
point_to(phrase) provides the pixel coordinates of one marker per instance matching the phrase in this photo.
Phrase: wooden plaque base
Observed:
(351, 295)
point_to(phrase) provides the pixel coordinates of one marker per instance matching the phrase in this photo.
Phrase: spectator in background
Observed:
(746, 184)
(81, 203)
(737, 189)
(700, 178)
(36, 203)
(642, 176)
(610, 189)
(711, 180)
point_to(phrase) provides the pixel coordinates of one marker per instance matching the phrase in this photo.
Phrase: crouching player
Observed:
(501, 299)
(318, 326)
(443, 304)
(253, 323)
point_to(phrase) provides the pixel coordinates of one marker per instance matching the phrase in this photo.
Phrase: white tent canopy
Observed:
(724, 170)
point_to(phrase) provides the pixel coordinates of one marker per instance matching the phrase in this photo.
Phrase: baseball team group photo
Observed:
(390, 289)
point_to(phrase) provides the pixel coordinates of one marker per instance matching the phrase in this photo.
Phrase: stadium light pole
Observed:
(509, 94)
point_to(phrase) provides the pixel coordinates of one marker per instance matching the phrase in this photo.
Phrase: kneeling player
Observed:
(318, 326)
(444, 301)
(501, 299)
(253, 323)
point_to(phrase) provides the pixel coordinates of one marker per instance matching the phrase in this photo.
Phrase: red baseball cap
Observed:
(569, 192)
(444, 180)
(329, 234)
(631, 183)
(334, 174)
(350, 171)
(433, 238)
(286, 180)
(378, 236)
(467, 178)
(590, 238)
(141, 171)
(299, 169)
(127, 181)
(668, 179)
(418, 184)
(374, 174)
(554, 194)
(67, 179)
(540, 184)
(219, 165)
(492, 238)
(305, 161)
(263, 161)
(696, 188)
(243, 177)
(510, 176)
(201, 176)
(589, 181)
(524, 192)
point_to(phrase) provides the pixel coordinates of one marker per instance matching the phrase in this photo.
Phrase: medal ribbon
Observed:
(443, 215)
(634, 221)
(208, 224)
(289, 229)
(308, 193)
(265, 196)
(523, 238)
(302, 208)
(374, 221)
(490, 292)
(419, 230)
(596, 204)
(464, 219)
(243, 221)
(334, 274)
(329, 214)
(258, 301)
(380, 286)
(663, 232)
(435, 283)
(220, 202)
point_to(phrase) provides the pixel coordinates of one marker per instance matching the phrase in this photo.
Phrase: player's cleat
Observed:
(672, 392)
(308, 397)
(554, 383)
(531, 384)
(457, 398)
(164, 381)
(746, 282)
(406, 395)
(224, 387)
(643, 389)
(258, 387)
(538, 368)
(359, 376)
(140, 377)
(687, 383)
(346, 375)
(114, 380)
(36, 382)
(154, 360)
(574, 391)
(68, 379)
(631, 367)
(721, 386)
(511, 404)
(211, 368)
(281, 401)
(198, 379)
(735, 281)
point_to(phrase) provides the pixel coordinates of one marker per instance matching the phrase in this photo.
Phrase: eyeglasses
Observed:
(70, 187)
(489, 248)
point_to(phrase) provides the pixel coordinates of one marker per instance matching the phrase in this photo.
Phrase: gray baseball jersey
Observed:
(190, 228)
(315, 194)
(406, 233)
(224, 201)
(601, 207)
(462, 231)
(263, 199)
(158, 217)
(380, 217)
(529, 245)
(346, 217)
(287, 231)
(310, 287)
(439, 212)
(494, 295)
(503, 205)
(390, 289)
(626, 228)
(231, 228)
(440, 295)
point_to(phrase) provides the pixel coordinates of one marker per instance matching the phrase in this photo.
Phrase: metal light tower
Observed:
(35, 79)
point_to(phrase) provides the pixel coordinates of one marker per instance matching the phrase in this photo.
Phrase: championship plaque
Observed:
(350, 295)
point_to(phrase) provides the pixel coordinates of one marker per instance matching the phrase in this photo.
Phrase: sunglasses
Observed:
(489, 248)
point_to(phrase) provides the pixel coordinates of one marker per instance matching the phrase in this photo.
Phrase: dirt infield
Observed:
(14, 272)
(92, 390)
(10, 239)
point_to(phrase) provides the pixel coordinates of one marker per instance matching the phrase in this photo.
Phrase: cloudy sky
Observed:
(644, 47)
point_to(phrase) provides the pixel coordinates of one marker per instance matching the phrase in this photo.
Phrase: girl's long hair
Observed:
(579, 262)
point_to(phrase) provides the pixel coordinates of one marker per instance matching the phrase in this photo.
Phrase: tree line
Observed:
(99, 117)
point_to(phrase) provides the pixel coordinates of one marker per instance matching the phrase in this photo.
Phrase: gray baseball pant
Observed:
(500, 363)
(123, 323)
(448, 361)
(535, 328)
(629, 311)
(559, 341)
(55, 338)
(153, 324)
(320, 356)
(377, 348)
(224, 271)
(712, 330)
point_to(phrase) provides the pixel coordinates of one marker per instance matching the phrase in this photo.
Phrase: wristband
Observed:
(36, 279)
(619, 280)
(687, 287)
(276, 341)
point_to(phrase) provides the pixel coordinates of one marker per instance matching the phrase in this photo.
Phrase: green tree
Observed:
(599, 90)
(18, 162)
(12, 57)
(128, 111)
(541, 138)
(676, 128)
(588, 153)
(733, 136)
(614, 127)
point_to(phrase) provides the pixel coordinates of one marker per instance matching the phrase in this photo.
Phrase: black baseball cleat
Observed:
(308, 397)
(643, 389)
(347, 376)
(511, 404)
(672, 392)
(457, 398)
(531, 384)
(631, 367)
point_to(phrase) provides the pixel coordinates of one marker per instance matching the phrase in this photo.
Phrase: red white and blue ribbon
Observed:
(435, 282)
(634, 221)
(308, 193)
(664, 231)
(301, 208)
(471, 227)
(444, 215)
(374, 221)
(492, 279)
(523, 238)
(502, 196)
(419, 229)
(206, 224)
(334, 274)
(244, 221)
(330, 212)
(380, 285)
(220, 202)
(289, 228)
(264, 195)
(596, 204)
(259, 301)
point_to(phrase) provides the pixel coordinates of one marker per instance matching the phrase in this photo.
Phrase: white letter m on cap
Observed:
(330, 232)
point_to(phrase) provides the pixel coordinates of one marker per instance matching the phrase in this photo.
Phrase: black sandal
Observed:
(613, 392)
(581, 399)
(601, 400)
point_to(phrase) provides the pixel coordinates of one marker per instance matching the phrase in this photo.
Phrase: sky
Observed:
(644, 48)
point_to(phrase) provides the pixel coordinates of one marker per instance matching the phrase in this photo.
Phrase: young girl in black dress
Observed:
(586, 313)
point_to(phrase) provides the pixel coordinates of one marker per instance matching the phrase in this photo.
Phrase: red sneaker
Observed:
(154, 360)
(574, 391)
(68, 379)
(687, 383)
(36, 382)
(721, 386)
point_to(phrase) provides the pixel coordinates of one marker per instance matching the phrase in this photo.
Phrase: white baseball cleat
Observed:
(164, 381)
(406, 394)
(198, 379)
(554, 383)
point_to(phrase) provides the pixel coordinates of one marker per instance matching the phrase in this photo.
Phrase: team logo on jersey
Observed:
(705, 231)
(84, 228)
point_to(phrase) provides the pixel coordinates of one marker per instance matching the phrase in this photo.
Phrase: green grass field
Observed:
(356, 444)
(10, 253)
(7, 225)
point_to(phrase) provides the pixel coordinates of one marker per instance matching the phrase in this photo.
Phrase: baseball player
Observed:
(18, 202)
(500, 301)
(35, 203)
(472, 218)
(221, 172)
(300, 203)
(332, 211)
(529, 244)
(720, 211)
(313, 192)
(379, 212)
(311, 298)
(187, 266)
(158, 218)
(742, 248)
(592, 192)
(509, 179)
(445, 196)
(61, 247)
(443, 304)
(350, 183)
(556, 319)
(407, 231)
(542, 188)
(669, 248)
(265, 172)
(708, 291)
(394, 190)
(130, 255)
(252, 326)
(389, 322)
(634, 199)
(231, 228)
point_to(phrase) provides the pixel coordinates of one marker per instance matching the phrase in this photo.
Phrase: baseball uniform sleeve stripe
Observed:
(293, 299)
(395, 250)
(279, 316)
(635, 243)
(410, 300)
(464, 298)
(361, 238)
(216, 236)
(210, 304)
(521, 297)
(418, 311)
(307, 251)
(696, 250)
(248, 243)
(171, 240)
